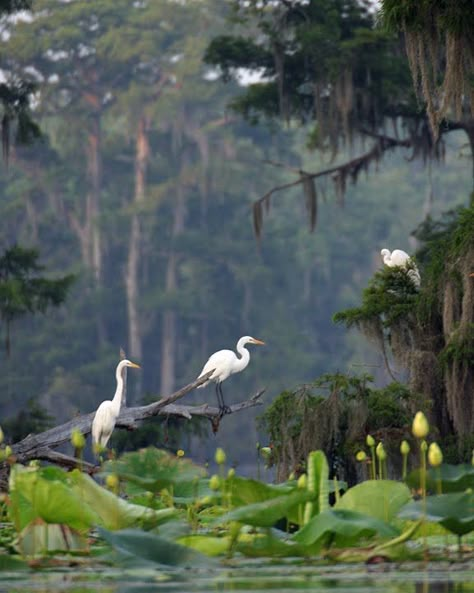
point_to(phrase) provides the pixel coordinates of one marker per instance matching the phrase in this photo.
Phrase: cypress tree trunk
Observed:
(132, 272)
(93, 199)
(169, 330)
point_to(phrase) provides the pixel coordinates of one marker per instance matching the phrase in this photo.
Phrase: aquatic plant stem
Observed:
(373, 466)
(404, 467)
(439, 487)
(423, 448)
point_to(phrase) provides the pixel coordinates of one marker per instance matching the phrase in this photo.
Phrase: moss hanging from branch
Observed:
(334, 413)
(430, 333)
(439, 42)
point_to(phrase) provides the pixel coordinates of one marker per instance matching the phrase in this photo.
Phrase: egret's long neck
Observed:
(243, 361)
(117, 400)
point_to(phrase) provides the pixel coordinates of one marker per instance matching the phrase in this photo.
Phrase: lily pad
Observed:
(146, 546)
(455, 511)
(39, 538)
(342, 528)
(454, 478)
(73, 499)
(267, 513)
(153, 469)
(381, 499)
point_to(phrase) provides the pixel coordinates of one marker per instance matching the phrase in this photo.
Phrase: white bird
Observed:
(226, 363)
(401, 259)
(106, 415)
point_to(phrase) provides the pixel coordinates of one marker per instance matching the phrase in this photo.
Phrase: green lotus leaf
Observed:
(267, 513)
(206, 544)
(146, 546)
(154, 469)
(112, 511)
(39, 538)
(11, 563)
(381, 499)
(342, 528)
(454, 478)
(268, 545)
(44, 493)
(244, 491)
(455, 511)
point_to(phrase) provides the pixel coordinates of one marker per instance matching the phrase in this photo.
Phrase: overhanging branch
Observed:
(42, 445)
(339, 173)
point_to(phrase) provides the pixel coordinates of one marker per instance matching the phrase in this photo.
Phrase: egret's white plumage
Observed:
(106, 415)
(225, 363)
(401, 259)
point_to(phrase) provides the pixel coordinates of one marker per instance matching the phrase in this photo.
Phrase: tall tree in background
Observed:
(23, 290)
(439, 41)
(327, 62)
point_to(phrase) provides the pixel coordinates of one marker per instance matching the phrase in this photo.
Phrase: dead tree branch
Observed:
(339, 174)
(41, 446)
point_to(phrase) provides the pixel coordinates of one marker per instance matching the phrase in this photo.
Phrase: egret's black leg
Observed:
(224, 409)
(218, 395)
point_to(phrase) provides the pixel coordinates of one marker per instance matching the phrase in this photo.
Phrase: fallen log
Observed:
(41, 446)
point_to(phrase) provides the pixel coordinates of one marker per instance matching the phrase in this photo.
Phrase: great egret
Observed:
(401, 259)
(106, 415)
(226, 363)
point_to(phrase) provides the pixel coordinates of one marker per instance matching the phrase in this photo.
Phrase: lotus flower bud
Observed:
(420, 427)
(435, 455)
(370, 440)
(214, 483)
(291, 476)
(361, 456)
(404, 448)
(302, 481)
(424, 446)
(180, 453)
(231, 473)
(77, 439)
(8, 451)
(266, 452)
(1, 435)
(380, 452)
(112, 482)
(220, 456)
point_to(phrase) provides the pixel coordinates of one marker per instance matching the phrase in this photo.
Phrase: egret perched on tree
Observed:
(401, 259)
(226, 363)
(106, 415)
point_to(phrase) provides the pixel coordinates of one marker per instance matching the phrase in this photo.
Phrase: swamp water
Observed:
(249, 576)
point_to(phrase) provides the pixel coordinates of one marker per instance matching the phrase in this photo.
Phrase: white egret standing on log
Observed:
(106, 415)
(401, 259)
(226, 363)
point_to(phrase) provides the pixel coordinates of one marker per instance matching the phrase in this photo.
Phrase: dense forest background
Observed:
(142, 185)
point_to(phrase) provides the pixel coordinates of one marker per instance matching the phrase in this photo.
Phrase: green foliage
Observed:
(430, 333)
(341, 528)
(455, 512)
(23, 291)
(53, 511)
(317, 483)
(29, 420)
(455, 17)
(153, 470)
(452, 478)
(335, 412)
(381, 499)
(142, 547)
(269, 512)
(389, 297)
(73, 499)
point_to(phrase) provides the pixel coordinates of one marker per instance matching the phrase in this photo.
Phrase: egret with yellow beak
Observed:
(225, 363)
